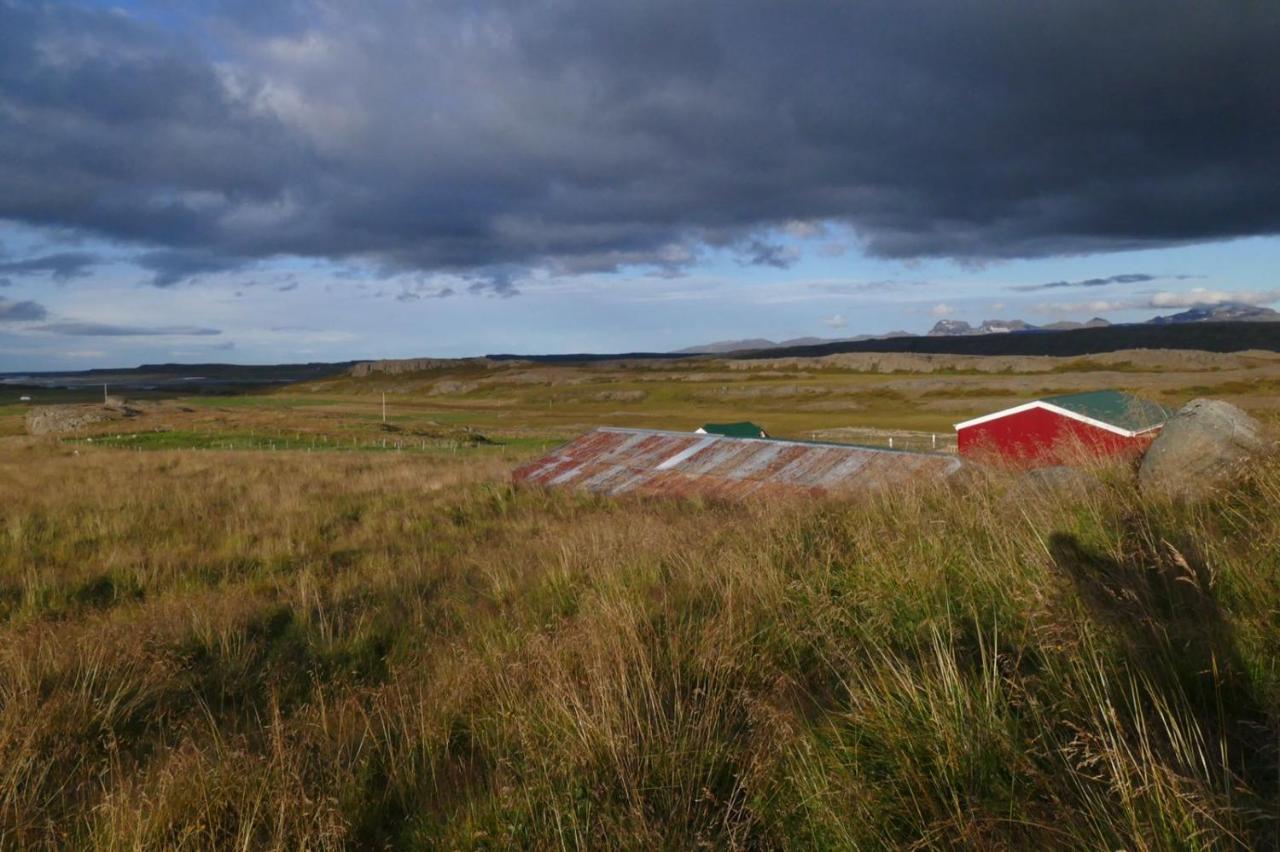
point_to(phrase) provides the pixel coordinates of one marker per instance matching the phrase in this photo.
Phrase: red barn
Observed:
(1051, 430)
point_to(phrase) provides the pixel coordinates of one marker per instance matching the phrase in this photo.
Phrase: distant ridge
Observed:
(1206, 336)
(1226, 312)
(1230, 312)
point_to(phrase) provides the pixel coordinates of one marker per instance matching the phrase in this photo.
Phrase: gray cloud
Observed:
(420, 293)
(74, 328)
(1131, 278)
(61, 266)
(493, 282)
(583, 135)
(21, 311)
(174, 267)
(764, 253)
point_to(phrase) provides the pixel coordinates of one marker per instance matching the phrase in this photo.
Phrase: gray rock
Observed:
(53, 419)
(1202, 445)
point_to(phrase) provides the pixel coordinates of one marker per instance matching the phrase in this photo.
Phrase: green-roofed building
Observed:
(741, 429)
(1102, 422)
(1124, 410)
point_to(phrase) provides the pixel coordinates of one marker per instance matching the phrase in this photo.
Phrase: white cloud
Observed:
(1200, 296)
(942, 309)
(835, 321)
(1097, 306)
(1195, 298)
(803, 230)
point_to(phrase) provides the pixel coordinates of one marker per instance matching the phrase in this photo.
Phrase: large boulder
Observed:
(1199, 447)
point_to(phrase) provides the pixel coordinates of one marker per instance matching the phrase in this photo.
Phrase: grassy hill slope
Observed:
(325, 650)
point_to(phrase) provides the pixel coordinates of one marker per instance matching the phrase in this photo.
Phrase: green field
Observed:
(241, 622)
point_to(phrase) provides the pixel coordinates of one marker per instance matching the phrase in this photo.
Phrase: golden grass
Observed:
(325, 650)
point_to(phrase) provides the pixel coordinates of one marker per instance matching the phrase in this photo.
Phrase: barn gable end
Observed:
(1102, 422)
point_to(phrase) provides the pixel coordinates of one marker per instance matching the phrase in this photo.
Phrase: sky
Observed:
(318, 180)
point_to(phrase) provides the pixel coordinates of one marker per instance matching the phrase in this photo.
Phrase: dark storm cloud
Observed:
(61, 266)
(581, 135)
(21, 311)
(73, 328)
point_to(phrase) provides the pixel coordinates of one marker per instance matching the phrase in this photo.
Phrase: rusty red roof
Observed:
(623, 461)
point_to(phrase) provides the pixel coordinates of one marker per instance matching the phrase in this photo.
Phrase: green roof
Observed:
(1123, 410)
(741, 429)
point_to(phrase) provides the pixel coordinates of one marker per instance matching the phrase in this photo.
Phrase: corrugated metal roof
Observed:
(624, 461)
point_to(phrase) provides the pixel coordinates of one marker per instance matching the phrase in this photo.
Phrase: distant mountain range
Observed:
(947, 328)
(752, 343)
(1231, 312)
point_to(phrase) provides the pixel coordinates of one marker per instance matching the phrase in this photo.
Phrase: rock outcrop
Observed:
(1204, 443)
(53, 419)
(402, 366)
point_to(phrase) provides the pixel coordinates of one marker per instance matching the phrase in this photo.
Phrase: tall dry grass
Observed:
(328, 651)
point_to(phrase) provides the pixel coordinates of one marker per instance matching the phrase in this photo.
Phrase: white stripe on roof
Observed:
(685, 453)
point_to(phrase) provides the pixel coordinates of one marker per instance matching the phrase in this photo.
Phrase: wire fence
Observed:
(895, 439)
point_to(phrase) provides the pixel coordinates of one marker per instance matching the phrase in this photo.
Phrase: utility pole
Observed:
(104, 393)
(384, 408)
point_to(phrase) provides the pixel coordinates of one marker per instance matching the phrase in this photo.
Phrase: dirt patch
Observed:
(620, 396)
(831, 405)
(762, 392)
(450, 386)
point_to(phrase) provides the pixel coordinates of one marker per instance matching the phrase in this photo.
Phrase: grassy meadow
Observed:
(323, 643)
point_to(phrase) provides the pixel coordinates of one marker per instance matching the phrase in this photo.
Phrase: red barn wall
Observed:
(1044, 436)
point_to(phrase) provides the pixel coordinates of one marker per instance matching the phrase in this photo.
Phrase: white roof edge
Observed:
(996, 415)
(1048, 406)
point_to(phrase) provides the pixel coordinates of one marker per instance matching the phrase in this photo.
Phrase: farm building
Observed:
(625, 461)
(741, 429)
(1050, 430)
